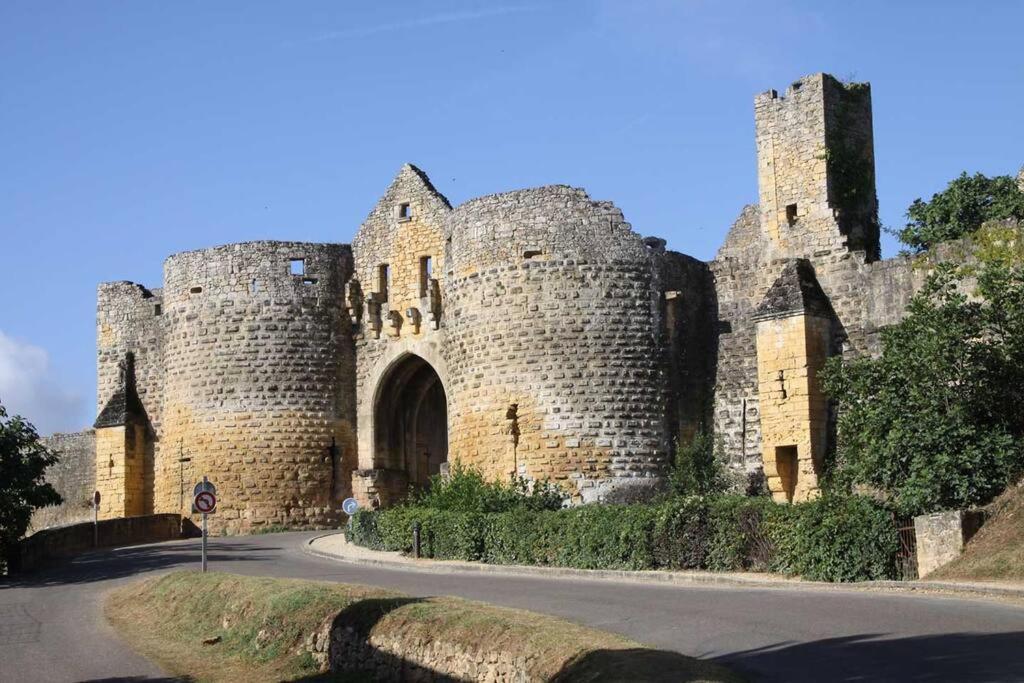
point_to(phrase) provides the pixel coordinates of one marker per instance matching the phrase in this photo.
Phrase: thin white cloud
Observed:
(29, 388)
(434, 20)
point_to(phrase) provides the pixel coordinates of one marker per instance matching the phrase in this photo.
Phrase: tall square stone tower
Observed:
(816, 168)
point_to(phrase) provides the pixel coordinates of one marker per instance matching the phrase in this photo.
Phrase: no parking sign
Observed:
(205, 502)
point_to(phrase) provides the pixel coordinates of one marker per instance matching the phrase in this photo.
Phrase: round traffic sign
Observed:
(205, 502)
(350, 505)
(204, 486)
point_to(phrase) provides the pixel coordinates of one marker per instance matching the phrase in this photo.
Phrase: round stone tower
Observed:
(554, 355)
(259, 383)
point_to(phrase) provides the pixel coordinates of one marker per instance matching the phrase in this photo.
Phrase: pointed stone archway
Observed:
(410, 420)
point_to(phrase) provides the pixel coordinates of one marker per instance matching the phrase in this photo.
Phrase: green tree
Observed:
(935, 421)
(960, 209)
(23, 463)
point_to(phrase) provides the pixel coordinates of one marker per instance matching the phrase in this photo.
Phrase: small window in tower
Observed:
(383, 280)
(531, 253)
(255, 288)
(158, 309)
(298, 266)
(404, 211)
(791, 214)
(196, 290)
(426, 268)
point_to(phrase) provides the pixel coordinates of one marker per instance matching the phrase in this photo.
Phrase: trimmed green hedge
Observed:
(831, 539)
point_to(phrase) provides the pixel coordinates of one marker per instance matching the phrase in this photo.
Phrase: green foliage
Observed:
(935, 421)
(698, 469)
(839, 539)
(465, 489)
(960, 209)
(23, 463)
(834, 539)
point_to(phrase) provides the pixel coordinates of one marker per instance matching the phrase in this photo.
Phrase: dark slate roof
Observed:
(795, 291)
(123, 407)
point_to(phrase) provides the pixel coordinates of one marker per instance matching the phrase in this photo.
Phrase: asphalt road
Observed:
(52, 629)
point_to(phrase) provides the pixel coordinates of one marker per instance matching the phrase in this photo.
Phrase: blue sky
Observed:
(132, 130)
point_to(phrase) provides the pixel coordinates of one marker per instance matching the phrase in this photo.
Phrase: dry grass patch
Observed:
(262, 627)
(996, 553)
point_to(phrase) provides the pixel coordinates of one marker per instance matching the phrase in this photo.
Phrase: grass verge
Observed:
(262, 626)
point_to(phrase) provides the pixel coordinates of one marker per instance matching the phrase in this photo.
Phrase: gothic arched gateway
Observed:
(410, 420)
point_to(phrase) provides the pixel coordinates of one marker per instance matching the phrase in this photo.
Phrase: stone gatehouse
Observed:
(532, 332)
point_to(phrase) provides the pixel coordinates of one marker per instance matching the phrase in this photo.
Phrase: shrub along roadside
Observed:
(830, 539)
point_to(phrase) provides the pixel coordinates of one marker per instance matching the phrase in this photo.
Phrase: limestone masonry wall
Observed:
(530, 332)
(258, 381)
(556, 370)
(74, 478)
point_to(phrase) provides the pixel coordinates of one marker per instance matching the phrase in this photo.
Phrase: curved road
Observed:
(52, 629)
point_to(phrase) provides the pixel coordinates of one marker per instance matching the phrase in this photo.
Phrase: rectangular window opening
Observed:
(786, 465)
(196, 290)
(298, 266)
(531, 253)
(426, 270)
(255, 287)
(383, 280)
(791, 213)
(404, 211)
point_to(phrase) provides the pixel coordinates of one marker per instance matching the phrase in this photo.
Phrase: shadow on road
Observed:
(122, 562)
(962, 657)
(651, 666)
(140, 679)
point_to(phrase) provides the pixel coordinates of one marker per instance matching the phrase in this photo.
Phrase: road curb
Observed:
(667, 577)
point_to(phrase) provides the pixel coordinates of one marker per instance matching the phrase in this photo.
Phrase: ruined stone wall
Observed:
(554, 358)
(687, 340)
(816, 171)
(129, 319)
(73, 477)
(259, 380)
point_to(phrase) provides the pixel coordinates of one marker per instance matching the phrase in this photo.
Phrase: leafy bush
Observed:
(698, 469)
(362, 530)
(466, 489)
(960, 209)
(833, 539)
(840, 539)
(934, 421)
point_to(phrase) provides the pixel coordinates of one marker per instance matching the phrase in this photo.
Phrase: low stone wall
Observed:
(399, 658)
(60, 543)
(941, 537)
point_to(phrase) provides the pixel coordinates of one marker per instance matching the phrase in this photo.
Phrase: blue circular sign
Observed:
(350, 505)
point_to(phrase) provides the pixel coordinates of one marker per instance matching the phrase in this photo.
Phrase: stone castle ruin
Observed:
(530, 333)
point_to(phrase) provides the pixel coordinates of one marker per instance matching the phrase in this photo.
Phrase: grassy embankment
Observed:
(263, 625)
(996, 553)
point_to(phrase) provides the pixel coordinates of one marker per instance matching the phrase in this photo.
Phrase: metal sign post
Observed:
(349, 507)
(204, 501)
